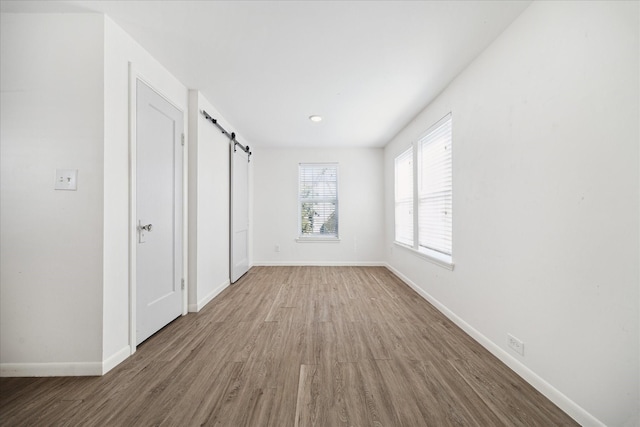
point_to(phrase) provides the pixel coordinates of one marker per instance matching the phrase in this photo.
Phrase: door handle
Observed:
(145, 227)
(142, 231)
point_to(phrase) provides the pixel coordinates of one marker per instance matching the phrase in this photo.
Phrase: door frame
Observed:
(134, 76)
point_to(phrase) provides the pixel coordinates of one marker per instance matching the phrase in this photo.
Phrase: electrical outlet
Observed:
(515, 344)
(276, 248)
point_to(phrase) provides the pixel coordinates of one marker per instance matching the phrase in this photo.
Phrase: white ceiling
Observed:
(367, 67)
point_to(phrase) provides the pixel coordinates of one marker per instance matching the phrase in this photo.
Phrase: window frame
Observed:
(437, 257)
(318, 237)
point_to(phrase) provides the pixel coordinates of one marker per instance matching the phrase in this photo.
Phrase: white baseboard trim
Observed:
(575, 411)
(77, 369)
(194, 308)
(115, 359)
(320, 264)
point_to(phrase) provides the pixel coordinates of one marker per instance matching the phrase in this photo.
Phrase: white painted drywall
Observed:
(120, 51)
(546, 203)
(52, 241)
(209, 208)
(275, 209)
(65, 255)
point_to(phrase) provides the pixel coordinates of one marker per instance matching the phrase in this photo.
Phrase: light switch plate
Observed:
(66, 179)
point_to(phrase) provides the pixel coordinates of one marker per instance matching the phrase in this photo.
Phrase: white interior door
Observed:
(239, 213)
(159, 127)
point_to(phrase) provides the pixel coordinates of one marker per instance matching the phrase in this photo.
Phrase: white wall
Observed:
(546, 215)
(209, 208)
(65, 255)
(120, 50)
(275, 211)
(51, 247)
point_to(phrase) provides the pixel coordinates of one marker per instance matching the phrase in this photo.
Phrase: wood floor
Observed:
(295, 346)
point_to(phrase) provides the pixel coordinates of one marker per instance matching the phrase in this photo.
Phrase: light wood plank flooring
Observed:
(295, 346)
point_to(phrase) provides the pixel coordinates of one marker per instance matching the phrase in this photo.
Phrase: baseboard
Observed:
(115, 359)
(194, 308)
(77, 369)
(319, 264)
(572, 409)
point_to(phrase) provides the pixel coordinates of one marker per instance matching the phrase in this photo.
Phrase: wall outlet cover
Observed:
(515, 344)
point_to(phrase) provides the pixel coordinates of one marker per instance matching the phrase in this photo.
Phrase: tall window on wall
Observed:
(404, 197)
(318, 200)
(429, 161)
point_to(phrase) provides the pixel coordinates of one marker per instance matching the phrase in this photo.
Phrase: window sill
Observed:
(433, 257)
(318, 240)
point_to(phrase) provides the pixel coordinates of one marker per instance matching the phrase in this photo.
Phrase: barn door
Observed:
(239, 226)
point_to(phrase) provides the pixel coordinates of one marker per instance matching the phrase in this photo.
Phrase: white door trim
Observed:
(135, 75)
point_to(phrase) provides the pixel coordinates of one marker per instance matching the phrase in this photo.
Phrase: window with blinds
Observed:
(318, 200)
(435, 188)
(424, 194)
(404, 197)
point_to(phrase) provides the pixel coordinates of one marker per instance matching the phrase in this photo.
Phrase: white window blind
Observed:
(318, 200)
(404, 197)
(435, 188)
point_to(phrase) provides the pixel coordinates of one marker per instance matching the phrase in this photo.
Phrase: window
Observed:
(435, 201)
(404, 197)
(318, 200)
(427, 168)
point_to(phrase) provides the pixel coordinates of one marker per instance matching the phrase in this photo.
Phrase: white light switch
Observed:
(66, 179)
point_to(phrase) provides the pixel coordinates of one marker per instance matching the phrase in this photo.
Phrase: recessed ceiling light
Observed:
(315, 118)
